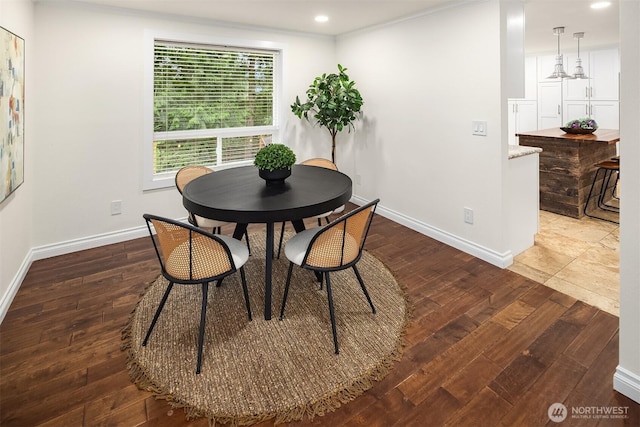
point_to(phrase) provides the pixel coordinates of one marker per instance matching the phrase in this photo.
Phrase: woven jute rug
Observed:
(257, 370)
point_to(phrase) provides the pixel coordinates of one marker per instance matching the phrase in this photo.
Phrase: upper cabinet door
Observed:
(549, 105)
(604, 71)
(577, 89)
(545, 66)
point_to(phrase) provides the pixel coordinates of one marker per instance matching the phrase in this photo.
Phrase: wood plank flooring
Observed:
(485, 347)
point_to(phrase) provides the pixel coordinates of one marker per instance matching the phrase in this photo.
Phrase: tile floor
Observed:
(578, 257)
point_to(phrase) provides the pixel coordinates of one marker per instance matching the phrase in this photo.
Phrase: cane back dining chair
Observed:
(336, 246)
(322, 163)
(190, 256)
(184, 176)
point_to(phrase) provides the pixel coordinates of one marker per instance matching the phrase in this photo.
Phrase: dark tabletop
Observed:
(240, 195)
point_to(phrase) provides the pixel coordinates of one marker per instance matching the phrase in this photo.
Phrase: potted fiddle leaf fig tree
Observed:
(333, 101)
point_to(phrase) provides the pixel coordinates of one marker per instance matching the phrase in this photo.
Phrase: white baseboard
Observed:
(75, 245)
(12, 290)
(63, 248)
(501, 260)
(627, 383)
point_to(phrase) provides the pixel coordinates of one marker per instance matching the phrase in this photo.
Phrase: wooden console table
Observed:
(567, 165)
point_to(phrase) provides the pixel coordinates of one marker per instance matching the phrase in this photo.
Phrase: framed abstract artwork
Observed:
(11, 112)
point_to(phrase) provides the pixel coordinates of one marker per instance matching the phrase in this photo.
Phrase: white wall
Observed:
(423, 81)
(627, 377)
(89, 112)
(16, 211)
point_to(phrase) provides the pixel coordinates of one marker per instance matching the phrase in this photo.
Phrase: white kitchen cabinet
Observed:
(595, 97)
(545, 66)
(605, 113)
(575, 110)
(523, 117)
(577, 89)
(562, 100)
(603, 68)
(550, 104)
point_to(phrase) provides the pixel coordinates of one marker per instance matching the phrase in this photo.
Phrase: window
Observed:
(213, 104)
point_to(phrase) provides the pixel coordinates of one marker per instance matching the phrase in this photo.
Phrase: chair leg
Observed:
(246, 292)
(203, 320)
(246, 237)
(593, 185)
(615, 187)
(158, 310)
(319, 222)
(364, 289)
(281, 238)
(332, 314)
(286, 290)
(603, 191)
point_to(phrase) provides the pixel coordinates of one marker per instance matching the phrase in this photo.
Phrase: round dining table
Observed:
(239, 195)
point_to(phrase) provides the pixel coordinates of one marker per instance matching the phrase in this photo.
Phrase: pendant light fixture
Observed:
(558, 72)
(579, 71)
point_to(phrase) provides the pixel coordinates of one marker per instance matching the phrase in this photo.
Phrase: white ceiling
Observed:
(600, 26)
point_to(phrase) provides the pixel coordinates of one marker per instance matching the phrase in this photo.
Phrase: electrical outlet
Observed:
(468, 215)
(116, 207)
(358, 179)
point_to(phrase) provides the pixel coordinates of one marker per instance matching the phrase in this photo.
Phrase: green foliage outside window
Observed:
(208, 89)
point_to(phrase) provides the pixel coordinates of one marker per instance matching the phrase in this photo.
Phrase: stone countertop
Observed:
(521, 150)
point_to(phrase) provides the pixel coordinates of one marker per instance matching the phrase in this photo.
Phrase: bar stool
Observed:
(615, 185)
(608, 168)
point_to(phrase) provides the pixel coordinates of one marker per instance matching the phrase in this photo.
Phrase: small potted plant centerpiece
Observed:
(586, 125)
(274, 162)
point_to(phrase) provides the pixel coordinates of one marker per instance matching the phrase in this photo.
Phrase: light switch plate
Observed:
(479, 127)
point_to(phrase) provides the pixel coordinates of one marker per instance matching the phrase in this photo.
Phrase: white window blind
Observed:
(212, 105)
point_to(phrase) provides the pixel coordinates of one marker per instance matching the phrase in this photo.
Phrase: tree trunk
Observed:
(333, 146)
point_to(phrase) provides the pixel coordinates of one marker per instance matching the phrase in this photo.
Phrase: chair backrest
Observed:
(186, 253)
(320, 162)
(339, 244)
(189, 173)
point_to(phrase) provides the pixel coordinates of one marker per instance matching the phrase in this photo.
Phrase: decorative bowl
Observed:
(578, 130)
(274, 177)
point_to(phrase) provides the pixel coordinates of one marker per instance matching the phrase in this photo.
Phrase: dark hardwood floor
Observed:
(485, 347)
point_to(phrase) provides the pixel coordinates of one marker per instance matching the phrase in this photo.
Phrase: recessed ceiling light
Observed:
(321, 18)
(600, 4)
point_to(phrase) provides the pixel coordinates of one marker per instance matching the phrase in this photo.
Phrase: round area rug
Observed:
(257, 370)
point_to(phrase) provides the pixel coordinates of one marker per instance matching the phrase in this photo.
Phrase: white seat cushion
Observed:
(296, 246)
(324, 215)
(207, 223)
(339, 209)
(239, 251)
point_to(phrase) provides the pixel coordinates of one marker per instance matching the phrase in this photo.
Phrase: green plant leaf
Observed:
(333, 101)
(275, 156)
